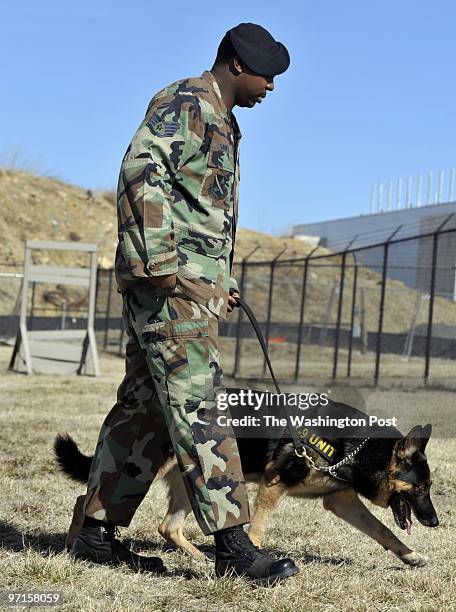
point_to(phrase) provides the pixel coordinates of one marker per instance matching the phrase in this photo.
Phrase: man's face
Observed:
(252, 87)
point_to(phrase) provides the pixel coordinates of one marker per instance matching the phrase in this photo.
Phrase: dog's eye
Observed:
(421, 489)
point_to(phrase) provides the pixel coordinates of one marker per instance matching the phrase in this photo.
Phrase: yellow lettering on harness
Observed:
(321, 444)
(331, 451)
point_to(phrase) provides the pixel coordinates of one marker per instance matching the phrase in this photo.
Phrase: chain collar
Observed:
(331, 469)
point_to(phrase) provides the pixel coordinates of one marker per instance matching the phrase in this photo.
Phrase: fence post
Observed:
(301, 311)
(352, 316)
(435, 244)
(339, 315)
(32, 307)
(408, 346)
(63, 315)
(382, 304)
(108, 309)
(339, 307)
(237, 354)
(270, 294)
(97, 293)
(363, 330)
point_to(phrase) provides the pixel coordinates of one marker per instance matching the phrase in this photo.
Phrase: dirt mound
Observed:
(40, 208)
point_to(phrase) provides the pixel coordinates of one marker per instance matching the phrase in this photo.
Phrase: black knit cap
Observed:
(258, 49)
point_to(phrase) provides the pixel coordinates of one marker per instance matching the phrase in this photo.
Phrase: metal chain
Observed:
(331, 468)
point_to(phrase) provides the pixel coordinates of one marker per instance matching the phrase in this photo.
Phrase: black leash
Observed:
(298, 445)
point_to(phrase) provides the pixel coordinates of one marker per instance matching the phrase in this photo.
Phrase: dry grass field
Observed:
(340, 569)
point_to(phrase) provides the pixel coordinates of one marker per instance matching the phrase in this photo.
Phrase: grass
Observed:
(340, 568)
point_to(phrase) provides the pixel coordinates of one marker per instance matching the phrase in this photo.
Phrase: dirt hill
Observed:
(40, 208)
(35, 207)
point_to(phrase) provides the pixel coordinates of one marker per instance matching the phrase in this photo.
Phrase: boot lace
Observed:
(245, 545)
(111, 532)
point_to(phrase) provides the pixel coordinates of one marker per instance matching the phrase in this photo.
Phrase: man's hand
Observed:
(233, 300)
(167, 282)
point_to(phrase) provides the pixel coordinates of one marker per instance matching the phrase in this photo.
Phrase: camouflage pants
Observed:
(167, 399)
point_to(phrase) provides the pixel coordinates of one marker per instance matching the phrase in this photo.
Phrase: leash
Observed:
(299, 448)
(298, 445)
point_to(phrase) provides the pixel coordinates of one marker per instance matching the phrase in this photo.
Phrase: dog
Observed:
(388, 471)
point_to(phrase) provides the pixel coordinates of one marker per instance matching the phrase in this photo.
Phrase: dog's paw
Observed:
(414, 559)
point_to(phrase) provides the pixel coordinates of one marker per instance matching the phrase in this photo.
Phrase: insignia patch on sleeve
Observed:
(219, 186)
(162, 128)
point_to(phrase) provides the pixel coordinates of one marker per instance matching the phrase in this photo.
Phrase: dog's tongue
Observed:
(408, 525)
(408, 518)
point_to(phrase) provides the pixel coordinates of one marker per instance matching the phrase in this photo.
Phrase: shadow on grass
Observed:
(43, 542)
(209, 551)
(144, 544)
(304, 557)
(14, 540)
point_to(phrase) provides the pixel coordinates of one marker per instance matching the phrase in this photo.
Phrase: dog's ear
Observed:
(415, 440)
(425, 435)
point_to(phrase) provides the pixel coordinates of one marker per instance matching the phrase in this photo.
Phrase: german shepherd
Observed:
(388, 471)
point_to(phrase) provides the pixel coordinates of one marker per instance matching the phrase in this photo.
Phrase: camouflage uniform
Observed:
(177, 209)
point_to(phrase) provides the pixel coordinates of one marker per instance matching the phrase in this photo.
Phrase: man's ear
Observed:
(237, 65)
(415, 440)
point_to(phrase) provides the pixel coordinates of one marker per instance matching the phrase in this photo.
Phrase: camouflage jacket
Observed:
(177, 194)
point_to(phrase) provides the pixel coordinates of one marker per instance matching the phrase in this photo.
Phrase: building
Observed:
(409, 261)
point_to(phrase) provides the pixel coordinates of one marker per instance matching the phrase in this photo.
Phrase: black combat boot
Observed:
(236, 555)
(97, 542)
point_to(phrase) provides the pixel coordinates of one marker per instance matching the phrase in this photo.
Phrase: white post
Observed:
(419, 187)
(63, 316)
(408, 201)
(399, 193)
(380, 198)
(429, 188)
(438, 198)
(23, 318)
(451, 186)
(373, 192)
(390, 195)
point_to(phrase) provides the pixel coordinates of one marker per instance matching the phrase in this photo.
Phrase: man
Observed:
(177, 212)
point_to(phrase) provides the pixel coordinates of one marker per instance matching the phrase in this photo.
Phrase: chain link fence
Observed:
(373, 313)
(369, 313)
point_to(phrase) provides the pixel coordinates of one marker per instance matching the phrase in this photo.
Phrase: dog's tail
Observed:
(70, 460)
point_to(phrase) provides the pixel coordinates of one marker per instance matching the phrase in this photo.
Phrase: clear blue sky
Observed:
(370, 93)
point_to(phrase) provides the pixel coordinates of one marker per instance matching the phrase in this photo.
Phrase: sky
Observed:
(370, 94)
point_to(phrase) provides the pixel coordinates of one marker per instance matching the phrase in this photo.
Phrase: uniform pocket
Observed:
(170, 347)
(189, 239)
(221, 154)
(199, 264)
(218, 183)
(171, 330)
